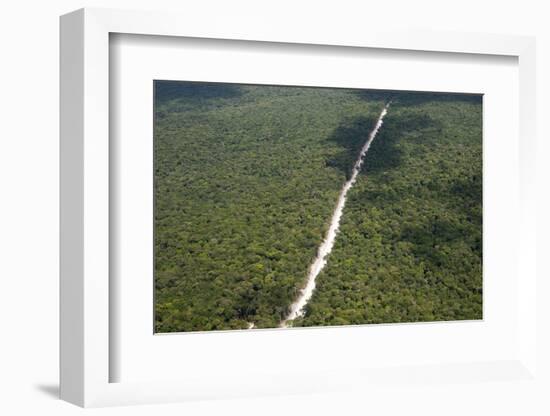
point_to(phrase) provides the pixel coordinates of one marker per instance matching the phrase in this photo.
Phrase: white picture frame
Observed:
(85, 217)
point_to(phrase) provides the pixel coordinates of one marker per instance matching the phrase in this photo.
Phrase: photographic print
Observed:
(287, 206)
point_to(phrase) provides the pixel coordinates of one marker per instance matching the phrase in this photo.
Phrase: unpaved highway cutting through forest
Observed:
(297, 308)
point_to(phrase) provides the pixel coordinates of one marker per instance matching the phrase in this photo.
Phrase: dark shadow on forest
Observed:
(384, 153)
(415, 97)
(195, 91)
(427, 238)
(468, 188)
(350, 137)
(374, 95)
(469, 195)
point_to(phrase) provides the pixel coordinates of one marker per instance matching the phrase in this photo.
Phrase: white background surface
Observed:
(29, 207)
(138, 60)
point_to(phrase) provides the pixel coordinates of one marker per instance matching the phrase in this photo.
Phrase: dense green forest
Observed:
(409, 247)
(246, 180)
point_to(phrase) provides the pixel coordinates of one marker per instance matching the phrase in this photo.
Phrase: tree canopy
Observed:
(246, 180)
